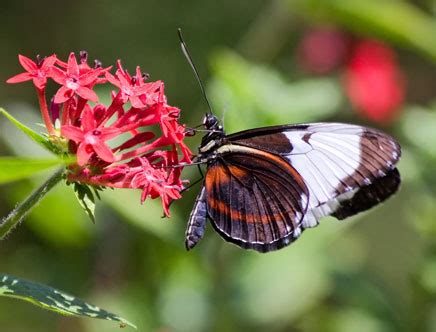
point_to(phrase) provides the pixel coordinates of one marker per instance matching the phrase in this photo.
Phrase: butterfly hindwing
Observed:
(255, 199)
(369, 195)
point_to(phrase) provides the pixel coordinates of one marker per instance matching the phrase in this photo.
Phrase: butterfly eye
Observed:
(210, 121)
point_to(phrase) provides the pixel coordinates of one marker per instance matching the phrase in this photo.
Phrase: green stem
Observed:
(8, 223)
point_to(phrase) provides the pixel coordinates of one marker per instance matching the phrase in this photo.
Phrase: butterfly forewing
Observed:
(255, 199)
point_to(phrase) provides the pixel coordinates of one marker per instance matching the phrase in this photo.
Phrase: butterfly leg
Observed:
(190, 185)
(195, 182)
(200, 171)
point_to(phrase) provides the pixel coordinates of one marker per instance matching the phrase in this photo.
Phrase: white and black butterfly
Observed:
(264, 186)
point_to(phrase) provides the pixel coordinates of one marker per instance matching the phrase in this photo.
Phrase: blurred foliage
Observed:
(262, 96)
(397, 21)
(374, 272)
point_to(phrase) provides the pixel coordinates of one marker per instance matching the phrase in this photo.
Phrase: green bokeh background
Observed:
(373, 272)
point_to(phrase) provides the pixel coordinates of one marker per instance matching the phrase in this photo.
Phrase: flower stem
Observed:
(44, 112)
(8, 223)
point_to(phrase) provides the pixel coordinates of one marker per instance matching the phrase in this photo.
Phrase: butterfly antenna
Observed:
(194, 69)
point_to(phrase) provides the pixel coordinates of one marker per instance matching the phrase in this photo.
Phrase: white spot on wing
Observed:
(329, 154)
(324, 161)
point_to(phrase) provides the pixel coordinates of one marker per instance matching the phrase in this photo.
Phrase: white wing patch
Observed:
(326, 155)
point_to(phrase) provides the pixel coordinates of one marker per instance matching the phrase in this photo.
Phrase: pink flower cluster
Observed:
(135, 142)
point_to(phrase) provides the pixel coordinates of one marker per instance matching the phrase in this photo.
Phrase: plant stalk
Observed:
(8, 223)
(44, 112)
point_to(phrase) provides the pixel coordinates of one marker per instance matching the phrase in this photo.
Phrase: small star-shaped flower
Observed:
(91, 139)
(75, 82)
(36, 71)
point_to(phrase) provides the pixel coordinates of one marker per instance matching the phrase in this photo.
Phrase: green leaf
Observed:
(53, 299)
(34, 136)
(86, 199)
(16, 168)
(396, 21)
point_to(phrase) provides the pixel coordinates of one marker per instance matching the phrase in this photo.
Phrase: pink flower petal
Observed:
(136, 102)
(108, 133)
(27, 63)
(111, 78)
(87, 93)
(73, 67)
(61, 63)
(90, 77)
(58, 75)
(49, 62)
(104, 152)
(139, 79)
(120, 68)
(124, 80)
(137, 139)
(72, 133)
(154, 86)
(62, 95)
(84, 152)
(20, 78)
(88, 121)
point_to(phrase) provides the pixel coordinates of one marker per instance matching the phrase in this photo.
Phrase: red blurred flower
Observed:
(323, 49)
(116, 146)
(374, 82)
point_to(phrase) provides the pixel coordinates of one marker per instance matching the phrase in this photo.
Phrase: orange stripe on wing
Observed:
(280, 161)
(219, 173)
(235, 148)
(223, 208)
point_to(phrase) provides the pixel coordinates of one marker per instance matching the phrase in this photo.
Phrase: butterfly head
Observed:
(211, 122)
(215, 133)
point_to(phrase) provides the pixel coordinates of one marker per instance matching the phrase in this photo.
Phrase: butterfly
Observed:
(263, 187)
